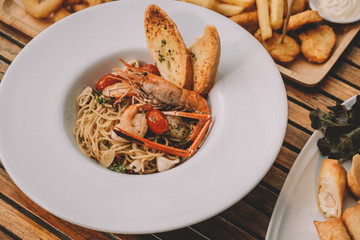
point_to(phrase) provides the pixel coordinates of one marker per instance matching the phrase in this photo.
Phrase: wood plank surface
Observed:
(20, 218)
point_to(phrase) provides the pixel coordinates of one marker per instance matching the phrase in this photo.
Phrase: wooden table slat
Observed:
(218, 228)
(346, 71)
(11, 191)
(20, 225)
(8, 49)
(14, 34)
(247, 218)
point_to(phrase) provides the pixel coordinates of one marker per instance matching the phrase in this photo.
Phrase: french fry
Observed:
(227, 9)
(203, 3)
(264, 19)
(276, 14)
(241, 3)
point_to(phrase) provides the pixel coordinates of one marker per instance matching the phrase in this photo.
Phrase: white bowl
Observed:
(37, 106)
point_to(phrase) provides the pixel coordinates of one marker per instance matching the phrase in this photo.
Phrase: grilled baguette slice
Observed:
(205, 52)
(167, 47)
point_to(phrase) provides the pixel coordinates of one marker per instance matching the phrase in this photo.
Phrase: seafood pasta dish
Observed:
(134, 121)
(150, 118)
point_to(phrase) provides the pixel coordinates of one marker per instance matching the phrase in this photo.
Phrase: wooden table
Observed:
(20, 218)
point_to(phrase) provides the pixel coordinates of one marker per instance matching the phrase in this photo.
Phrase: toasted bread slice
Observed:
(205, 52)
(167, 47)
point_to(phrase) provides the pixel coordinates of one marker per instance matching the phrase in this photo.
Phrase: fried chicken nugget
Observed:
(248, 20)
(298, 20)
(298, 6)
(317, 43)
(282, 52)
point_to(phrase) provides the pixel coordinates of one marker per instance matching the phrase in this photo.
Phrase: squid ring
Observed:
(41, 9)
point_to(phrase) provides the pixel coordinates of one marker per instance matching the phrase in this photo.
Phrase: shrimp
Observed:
(177, 128)
(163, 91)
(133, 122)
(119, 90)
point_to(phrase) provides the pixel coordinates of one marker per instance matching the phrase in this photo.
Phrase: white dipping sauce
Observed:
(340, 9)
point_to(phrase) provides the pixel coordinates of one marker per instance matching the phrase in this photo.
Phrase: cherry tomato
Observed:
(151, 69)
(105, 81)
(157, 122)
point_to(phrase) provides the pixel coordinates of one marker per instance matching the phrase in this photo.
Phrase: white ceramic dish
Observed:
(296, 208)
(37, 105)
(314, 6)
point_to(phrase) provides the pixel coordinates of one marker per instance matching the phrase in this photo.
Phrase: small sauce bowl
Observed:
(314, 5)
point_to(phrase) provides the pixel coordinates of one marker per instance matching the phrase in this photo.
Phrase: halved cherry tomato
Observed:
(151, 69)
(105, 81)
(157, 122)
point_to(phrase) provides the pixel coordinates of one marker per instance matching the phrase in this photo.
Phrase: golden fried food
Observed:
(71, 2)
(285, 51)
(331, 188)
(264, 19)
(351, 218)
(60, 14)
(203, 3)
(227, 9)
(91, 3)
(317, 43)
(41, 9)
(353, 178)
(248, 20)
(241, 3)
(331, 229)
(79, 7)
(276, 13)
(298, 20)
(298, 6)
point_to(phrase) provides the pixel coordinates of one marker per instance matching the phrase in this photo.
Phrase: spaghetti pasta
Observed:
(97, 116)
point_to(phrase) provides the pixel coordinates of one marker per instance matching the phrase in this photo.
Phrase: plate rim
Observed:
(275, 152)
(292, 178)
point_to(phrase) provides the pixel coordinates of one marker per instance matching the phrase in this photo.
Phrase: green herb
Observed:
(117, 166)
(163, 42)
(102, 100)
(88, 112)
(106, 143)
(96, 93)
(193, 55)
(341, 128)
(161, 57)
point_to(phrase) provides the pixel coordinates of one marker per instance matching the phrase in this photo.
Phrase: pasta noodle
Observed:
(93, 136)
(96, 117)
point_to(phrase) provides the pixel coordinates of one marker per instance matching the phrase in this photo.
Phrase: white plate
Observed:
(37, 105)
(296, 208)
